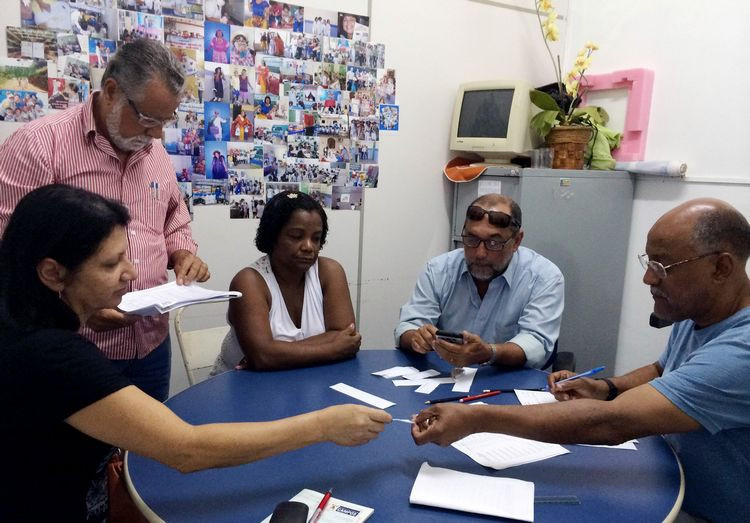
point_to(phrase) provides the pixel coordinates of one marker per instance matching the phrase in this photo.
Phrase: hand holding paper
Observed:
(443, 424)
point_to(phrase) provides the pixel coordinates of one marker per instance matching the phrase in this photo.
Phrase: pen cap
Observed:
(289, 512)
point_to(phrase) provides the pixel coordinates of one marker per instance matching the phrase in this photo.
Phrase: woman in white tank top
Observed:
(295, 308)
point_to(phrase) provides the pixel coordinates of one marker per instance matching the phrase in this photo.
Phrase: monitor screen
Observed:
(485, 113)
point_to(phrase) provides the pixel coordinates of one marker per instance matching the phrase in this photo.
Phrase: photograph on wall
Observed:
(100, 52)
(27, 42)
(304, 47)
(216, 43)
(371, 176)
(360, 78)
(388, 117)
(364, 151)
(217, 121)
(53, 15)
(192, 9)
(242, 82)
(68, 43)
(23, 75)
(274, 162)
(256, 13)
(301, 146)
(271, 132)
(376, 56)
(336, 125)
(183, 33)
(267, 74)
(333, 102)
(216, 160)
(336, 51)
(274, 188)
(364, 129)
(217, 82)
(90, 21)
(66, 92)
(225, 11)
(186, 191)
(266, 106)
(353, 27)
(331, 76)
(74, 65)
(187, 142)
(333, 149)
(22, 106)
(210, 192)
(346, 198)
(239, 207)
(132, 25)
(241, 155)
(319, 192)
(321, 22)
(241, 128)
(362, 103)
(385, 88)
(272, 42)
(280, 15)
(247, 182)
(183, 167)
(241, 51)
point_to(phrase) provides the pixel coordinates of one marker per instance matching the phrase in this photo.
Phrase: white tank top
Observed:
(282, 326)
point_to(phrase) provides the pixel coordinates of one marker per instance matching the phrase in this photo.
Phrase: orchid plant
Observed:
(563, 109)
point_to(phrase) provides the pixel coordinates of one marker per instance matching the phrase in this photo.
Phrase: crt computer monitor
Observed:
(491, 119)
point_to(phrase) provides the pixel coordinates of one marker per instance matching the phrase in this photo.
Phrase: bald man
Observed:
(506, 300)
(697, 393)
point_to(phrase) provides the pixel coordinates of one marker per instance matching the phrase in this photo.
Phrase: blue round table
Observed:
(611, 485)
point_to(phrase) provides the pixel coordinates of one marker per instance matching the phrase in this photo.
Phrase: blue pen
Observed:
(581, 375)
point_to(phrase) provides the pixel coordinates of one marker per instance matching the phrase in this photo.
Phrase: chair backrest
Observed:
(199, 348)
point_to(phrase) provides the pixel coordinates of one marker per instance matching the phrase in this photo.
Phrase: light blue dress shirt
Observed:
(524, 305)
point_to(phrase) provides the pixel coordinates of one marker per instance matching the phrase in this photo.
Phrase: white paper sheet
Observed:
(501, 497)
(429, 373)
(534, 397)
(427, 388)
(395, 372)
(363, 396)
(424, 381)
(464, 380)
(170, 296)
(501, 451)
(628, 445)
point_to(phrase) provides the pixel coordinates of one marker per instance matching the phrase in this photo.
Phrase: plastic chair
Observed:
(199, 348)
(561, 360)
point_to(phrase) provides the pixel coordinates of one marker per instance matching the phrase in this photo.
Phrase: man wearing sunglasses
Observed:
(110, 145)
(506, 300)
(696, 393)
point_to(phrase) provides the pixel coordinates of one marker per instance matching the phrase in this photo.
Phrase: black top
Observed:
(45, 376)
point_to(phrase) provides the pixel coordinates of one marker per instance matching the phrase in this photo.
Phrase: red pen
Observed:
(321, 506)
(480, 396)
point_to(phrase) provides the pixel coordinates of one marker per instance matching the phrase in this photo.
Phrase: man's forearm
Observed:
(637, 377)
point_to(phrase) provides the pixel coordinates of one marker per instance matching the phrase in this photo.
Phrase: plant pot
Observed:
(569, 145)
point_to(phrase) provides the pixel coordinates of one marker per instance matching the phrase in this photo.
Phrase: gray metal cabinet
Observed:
(580, 220)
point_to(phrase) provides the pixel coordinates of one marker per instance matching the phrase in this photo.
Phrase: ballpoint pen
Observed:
(480, 396)
(321, 506)
(581, 375)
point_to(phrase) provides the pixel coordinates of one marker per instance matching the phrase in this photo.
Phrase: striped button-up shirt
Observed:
(66, 148)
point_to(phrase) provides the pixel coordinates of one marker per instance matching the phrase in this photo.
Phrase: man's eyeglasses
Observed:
(147, 121)
(496, 218)
(491, 244)
(661, 270)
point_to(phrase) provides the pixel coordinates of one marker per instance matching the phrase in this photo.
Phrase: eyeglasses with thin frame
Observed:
(496, 218)
(661, 270)
(147, 121)
(490, 244)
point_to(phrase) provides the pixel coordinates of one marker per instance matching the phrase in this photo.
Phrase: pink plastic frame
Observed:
(639, 84)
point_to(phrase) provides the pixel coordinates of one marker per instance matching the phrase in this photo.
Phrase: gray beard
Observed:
(132, 144)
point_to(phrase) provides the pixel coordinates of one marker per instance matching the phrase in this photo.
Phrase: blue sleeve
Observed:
(711, 386)
(423, 307)
(539, 324)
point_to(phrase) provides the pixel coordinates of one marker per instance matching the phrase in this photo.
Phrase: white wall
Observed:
(698, 51)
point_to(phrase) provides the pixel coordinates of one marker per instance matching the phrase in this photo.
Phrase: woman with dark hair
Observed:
(295, 308)
(62, 258)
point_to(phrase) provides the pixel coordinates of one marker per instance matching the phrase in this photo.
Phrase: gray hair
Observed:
(722, 229)
(137, 62)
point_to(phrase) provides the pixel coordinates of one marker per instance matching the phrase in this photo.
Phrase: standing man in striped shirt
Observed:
(107, 146)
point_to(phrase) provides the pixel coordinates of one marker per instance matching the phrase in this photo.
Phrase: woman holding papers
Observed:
(63, 257)
(295, 308)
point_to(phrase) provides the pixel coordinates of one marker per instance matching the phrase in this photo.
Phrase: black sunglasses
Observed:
(496, 218)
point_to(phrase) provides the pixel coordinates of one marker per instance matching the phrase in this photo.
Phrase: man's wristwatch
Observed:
(490, 361)
(613, 392)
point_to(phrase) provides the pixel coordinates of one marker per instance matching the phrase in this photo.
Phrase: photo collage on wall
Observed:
(277, 96)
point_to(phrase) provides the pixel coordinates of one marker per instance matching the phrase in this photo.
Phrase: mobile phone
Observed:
(451, 337)
(289, 512)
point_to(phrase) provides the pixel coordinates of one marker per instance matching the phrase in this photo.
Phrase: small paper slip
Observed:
(363, 396)
(501, 497)
(464, 380)
(336, 510)
(534, 397)
(170, 296)
(627, 445)
(429, 373)
(501, 451)
(424, 381)
(395, 372)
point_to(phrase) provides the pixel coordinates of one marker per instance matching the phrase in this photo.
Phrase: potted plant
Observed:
(568, 128)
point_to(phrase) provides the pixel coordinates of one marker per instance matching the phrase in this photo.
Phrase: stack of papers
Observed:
(501, 451)
(335, 511)
(170, 296)
(501, 497)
